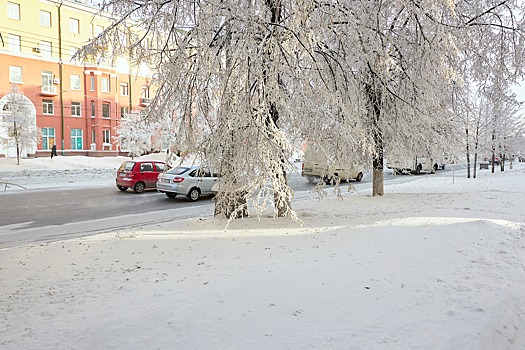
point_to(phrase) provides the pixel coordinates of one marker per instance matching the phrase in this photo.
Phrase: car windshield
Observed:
(178, 171)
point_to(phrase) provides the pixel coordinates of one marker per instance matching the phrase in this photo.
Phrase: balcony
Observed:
(145, 101)
(48, 90)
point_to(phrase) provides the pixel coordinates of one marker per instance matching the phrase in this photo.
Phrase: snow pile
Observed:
(437, 263)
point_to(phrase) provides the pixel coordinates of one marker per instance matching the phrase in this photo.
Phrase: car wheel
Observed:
(418, 169)
(194, 194)
(359, 177)
(139, 187)
(122, 188)
(171, 195)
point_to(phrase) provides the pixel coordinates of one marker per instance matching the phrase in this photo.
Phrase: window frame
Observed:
(74, 25)
(106, 106)
(15, 43)
(12, 74)
(76, 109)
(48, 133)
(45, 19)
(49, 87)
(13, 11)
(48, 107)
(106, 136)
(46, 50)
(74, 78)
(124, 89)
(76, 134)
(145, 91)
(124, 111)
(106, 86)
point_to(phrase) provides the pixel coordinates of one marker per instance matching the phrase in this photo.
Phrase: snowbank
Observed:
(437, 263)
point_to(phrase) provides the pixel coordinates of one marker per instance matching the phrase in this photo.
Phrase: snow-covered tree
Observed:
(358, 76)
(134, 134)
(22, 132)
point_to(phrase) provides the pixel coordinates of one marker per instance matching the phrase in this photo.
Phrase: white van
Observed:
(415, 165)
(318, 165)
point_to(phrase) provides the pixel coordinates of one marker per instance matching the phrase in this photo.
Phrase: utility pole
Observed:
(60, 84)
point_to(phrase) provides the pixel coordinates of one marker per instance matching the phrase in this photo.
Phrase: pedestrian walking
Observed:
(53, 151)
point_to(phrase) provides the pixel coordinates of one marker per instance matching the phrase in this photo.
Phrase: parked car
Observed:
(139, 175)
(415, 165)
(189, 181)
(318, 165)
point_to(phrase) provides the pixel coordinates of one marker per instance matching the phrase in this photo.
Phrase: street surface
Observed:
(46, 215)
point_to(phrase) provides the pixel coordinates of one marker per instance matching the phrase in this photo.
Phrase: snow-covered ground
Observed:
(437, 263)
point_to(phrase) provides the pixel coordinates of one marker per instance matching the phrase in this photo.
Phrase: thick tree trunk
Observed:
(374, 106)
(281, 201)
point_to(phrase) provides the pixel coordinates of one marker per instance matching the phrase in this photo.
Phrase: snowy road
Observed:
(78, 208)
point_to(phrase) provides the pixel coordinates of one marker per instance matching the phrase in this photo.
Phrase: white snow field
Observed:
(437, 263)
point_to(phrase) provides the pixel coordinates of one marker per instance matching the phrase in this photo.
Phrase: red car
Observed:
(139, 175)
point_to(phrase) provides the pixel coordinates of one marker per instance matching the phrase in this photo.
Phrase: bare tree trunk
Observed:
(493, 144)
(282, 204)
(475, 162)
(374, 102)
(476, 145)
(15, 130)
(468, 149)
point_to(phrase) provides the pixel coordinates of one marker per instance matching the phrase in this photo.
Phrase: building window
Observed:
(92, 109)
(75, 109)
(47, 106)
(124, 89)
(72, 52)
(45, 48)
(45, 18)
(47, 81)
(124, 111)
(48, 138)
(105, 136)
(74, 26)
(14, 43)
(75, 81)
(76, 139)
(105, 84)
(15, 74)
(145, 91)
(97, 30)
(105, 110)
(92, 83)
(13, 11)
(93, 136)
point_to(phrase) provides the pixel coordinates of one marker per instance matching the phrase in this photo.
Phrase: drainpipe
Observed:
(61, 83)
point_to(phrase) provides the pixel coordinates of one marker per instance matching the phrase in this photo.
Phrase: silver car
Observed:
(190, 181)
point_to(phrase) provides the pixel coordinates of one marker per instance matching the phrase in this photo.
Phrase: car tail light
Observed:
(178, 179)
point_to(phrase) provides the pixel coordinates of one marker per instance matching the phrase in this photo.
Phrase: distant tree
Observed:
(22, 132)
(134, 134)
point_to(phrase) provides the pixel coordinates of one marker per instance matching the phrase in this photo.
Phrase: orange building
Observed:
(77, 104)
